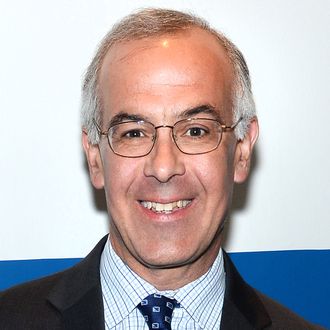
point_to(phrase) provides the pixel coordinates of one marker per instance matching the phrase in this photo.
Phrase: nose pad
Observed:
(165, 159)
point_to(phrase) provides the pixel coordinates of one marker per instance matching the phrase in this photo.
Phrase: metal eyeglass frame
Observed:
(224, 128)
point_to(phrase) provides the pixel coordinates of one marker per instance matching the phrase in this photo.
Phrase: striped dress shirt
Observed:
(122, 290)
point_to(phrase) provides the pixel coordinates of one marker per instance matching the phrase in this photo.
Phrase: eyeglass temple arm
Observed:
(225, 127)
(98, 128)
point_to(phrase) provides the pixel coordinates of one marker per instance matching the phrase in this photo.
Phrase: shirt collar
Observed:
(204, 295)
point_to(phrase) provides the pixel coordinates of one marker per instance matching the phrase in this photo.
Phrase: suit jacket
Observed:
(72, 299)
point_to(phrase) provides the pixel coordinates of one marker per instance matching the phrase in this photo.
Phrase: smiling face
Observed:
(167, 208)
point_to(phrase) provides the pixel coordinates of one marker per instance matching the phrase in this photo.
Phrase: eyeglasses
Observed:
(192, 136)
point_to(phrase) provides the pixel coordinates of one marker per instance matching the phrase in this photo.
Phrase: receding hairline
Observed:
(109, 42)
(118, 53)
(162, 37)
(150, 23)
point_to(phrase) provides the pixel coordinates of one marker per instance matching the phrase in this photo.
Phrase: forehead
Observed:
(166, 75)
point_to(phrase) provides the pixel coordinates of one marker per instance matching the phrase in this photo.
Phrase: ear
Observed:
(243, 152)
(95, 166)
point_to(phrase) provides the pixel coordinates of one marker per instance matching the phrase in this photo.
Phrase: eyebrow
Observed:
(125, 116)
(200, 109)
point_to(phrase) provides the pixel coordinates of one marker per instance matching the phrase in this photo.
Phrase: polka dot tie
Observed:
(157, 311)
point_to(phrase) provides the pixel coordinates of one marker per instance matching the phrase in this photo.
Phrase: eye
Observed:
(133, 134)
(196, 131)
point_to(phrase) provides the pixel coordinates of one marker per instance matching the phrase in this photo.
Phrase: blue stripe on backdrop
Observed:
(297, 279)
(19, 271)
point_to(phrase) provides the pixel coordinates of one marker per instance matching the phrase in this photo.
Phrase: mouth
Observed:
(167, 207)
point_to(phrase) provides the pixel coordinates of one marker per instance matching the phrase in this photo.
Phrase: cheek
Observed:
(119, 175)
(216, 173)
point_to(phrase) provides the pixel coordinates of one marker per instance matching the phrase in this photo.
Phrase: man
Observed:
(169, 126)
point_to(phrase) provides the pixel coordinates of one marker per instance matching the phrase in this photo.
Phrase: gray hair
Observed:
(154, 22)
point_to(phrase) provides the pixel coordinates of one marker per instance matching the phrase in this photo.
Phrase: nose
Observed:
(165, 160)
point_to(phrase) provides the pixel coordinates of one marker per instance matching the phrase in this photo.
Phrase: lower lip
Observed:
(166, 216)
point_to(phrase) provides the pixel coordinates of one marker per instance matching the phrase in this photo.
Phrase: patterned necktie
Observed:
(157, 311)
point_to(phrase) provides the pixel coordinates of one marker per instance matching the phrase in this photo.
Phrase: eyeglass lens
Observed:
(136, 138)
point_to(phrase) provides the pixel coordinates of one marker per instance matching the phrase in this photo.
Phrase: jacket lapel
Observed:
(242, 308)
(78, 294)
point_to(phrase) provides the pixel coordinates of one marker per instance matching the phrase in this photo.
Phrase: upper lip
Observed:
(165, 201)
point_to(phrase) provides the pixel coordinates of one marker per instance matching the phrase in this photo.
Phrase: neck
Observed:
(174, 277)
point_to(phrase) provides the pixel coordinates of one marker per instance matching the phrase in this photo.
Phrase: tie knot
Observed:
(157, 311)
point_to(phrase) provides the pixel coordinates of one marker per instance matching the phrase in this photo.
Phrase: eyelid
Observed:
(133, 126)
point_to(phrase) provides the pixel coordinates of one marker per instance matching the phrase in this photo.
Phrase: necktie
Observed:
(157, 311)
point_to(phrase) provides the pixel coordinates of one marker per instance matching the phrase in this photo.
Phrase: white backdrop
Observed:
(46, 202)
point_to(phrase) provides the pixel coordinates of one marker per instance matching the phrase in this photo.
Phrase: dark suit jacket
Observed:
(72, 299)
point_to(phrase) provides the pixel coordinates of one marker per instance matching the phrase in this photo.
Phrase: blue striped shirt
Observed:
(200, 301)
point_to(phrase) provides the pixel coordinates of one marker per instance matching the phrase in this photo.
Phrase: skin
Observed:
(159, 79)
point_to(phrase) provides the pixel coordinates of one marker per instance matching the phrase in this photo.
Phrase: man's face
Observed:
(160, 80)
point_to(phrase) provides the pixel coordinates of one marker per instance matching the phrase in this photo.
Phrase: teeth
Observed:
(165, 208)
(185, 203)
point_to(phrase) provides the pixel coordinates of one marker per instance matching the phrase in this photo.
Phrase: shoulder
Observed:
(283, 318)
(22, 305)
(43, 303)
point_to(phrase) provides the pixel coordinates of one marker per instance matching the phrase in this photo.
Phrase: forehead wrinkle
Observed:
(142, 88)
(175, 85)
